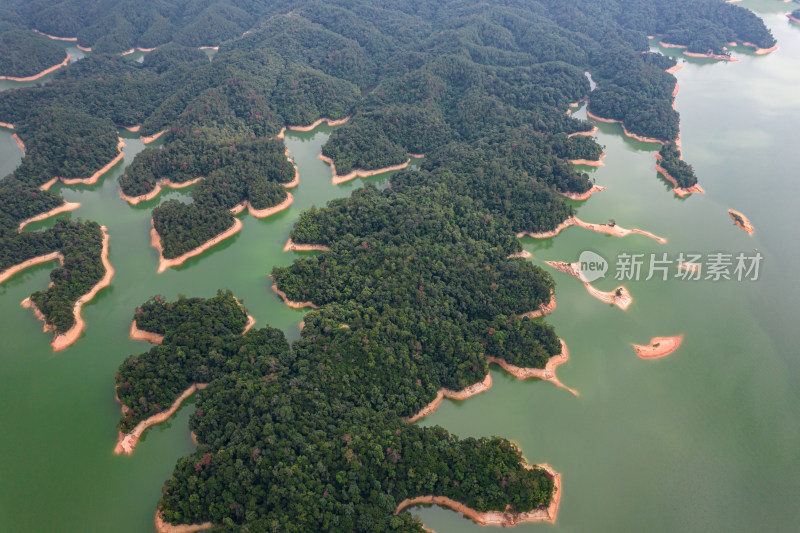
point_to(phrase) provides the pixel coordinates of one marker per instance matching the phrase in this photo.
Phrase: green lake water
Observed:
(703, 440)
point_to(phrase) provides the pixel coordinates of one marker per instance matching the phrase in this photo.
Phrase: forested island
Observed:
(420, 285)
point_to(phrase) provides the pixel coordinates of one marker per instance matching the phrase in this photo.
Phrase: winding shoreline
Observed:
(290, 303)
(544, 308)
(580, 197)
(163, 264)
(548, 373)
(267, 211)
(590, 162)
(495, 518)
(359, 173)
(742, 221)
(19, 143)
(150, 138)
(91, 180)
(71, 39)
(624, 130)
(441, 394)
(658, 347)
(679, 191)
(294, 247)
(10, 271)
(41, 74)
(586, 133)
(66, 339)
(160, 184)
(615, 230)
(126, 442)
(162, 526)
(63, 208)
(792, 18)
(623, 300)
(137, 334)
(329, 121)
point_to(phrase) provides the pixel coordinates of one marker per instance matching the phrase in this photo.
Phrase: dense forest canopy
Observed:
(416, 290)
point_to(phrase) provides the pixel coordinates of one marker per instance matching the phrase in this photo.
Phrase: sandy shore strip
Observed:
(586, 133)
(294, 247)
(468, 392)
(658, 347)
(589, 162)
(84, 48)
(497, 518)
(620, 297)
(63, 208)
(128, 52)
(634, 136)
(71, 39)
(359, 173)
(711, 56)
(208, 47)
(126, 442)
(673, 70)
(19, 143)
(290, 303)
(581, 196)
(269, 211)
(7, 273)
(329, 121)
(150, 138)
(133, 129)
(670, 45)
(548, 373)
(66, 339)
(679, 191)
(544, 308)
(742, 221)
(524, 254)
(91, 180)
(251, 321)
(296, 180)
(163, 526)
(6, 125)
(160, 184)
(793, 18)
(137, 334)
(758, 50)
(42, 74)
(616, 231)
(163, 264)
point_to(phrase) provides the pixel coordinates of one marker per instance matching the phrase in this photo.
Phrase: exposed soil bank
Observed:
(66, 339)
(589, 162)
(160, 184)
(586, 133)
(679, 191)
(7, 273)
(137, 334)
(359, 173)
(615, 230)
(91, 180)
(497, 518)
(150, 138)
(742, 221)
(658, 347)
(163, 264)
(619, 297)
(582, 195)
(290, 303)
(127, 441)
(548, 373)
(293, 246)
(41, 74)
(468, 392)
(544, 309)
(63, 208)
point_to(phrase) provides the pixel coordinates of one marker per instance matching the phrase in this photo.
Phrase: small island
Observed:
(658, 347)
(742, 221)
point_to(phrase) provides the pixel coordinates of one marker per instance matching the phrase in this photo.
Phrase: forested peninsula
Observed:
(419, 285)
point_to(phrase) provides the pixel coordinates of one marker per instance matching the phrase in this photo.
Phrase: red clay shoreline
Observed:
(792, 18)
(63, 208)
(163, 264)
(616, 231)
(295, 247)
(66, 339)
(338, 179)
(126, 442)
(742, 221)
(41, 74)
(160, 184)
(291, 303)
(497, 518)
(589, 162)
(679, 191)
(11, 271)
(582, 195)
(623, 300)
(658, 347)
(91, 180)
